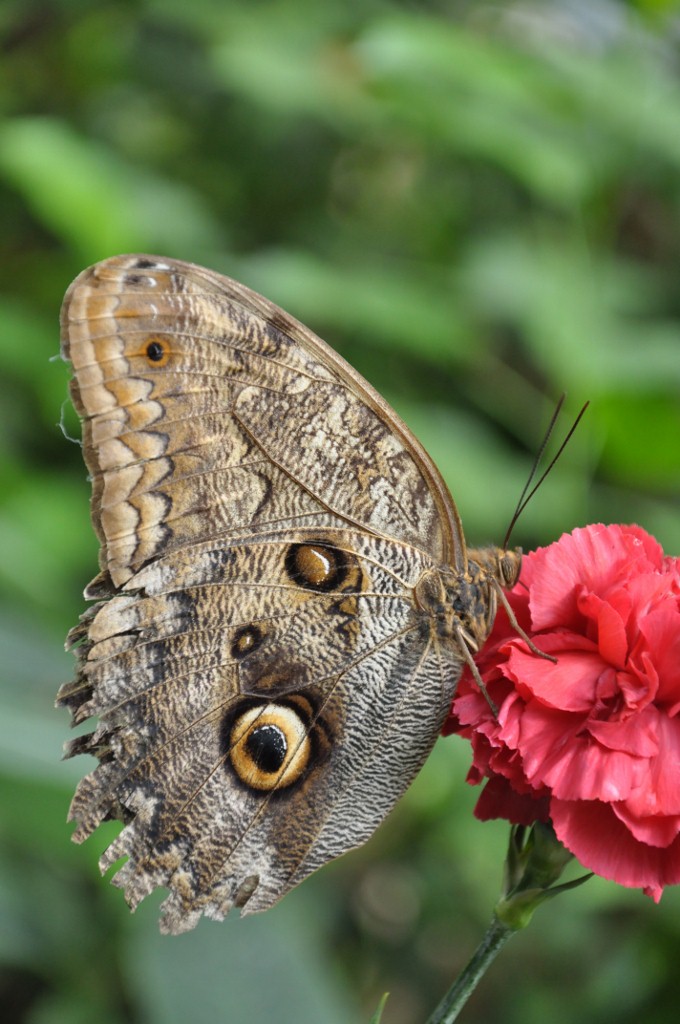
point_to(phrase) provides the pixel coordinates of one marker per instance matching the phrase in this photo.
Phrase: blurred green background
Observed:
(478, 205)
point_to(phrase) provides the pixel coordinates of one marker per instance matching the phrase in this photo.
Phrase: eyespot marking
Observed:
(157, 350)
(269, 746)
(316, 566)
(246, 640)
(145, 263)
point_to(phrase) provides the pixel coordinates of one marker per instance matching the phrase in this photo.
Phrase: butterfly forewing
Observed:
(208, 410)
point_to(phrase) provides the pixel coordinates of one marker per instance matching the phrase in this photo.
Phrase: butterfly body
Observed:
(285, 599)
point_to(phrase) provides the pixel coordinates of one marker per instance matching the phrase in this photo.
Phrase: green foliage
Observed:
(478, 205)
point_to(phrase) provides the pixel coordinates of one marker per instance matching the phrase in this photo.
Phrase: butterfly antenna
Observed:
(525, 497)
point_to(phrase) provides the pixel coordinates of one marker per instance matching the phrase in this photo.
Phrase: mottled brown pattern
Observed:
(276, 547)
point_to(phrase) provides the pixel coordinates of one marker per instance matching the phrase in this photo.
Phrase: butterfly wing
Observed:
(265, 685)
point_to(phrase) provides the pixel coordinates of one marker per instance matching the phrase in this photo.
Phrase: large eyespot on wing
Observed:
(209, 412)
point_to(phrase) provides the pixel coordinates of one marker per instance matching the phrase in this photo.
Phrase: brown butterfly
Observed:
(285, 600)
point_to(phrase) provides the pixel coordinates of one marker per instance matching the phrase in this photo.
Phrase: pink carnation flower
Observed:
(591, 742)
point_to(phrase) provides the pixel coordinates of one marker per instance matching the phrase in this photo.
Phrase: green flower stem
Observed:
(455, 999)
(533, 863)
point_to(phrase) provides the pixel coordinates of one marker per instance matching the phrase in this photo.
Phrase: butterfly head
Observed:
(463, 604)
(500, 564)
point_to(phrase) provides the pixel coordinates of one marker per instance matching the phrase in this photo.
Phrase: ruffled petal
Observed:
(593, 559)
(635, 734)
(499, 800)
(658, 830)
(612, 641)
(568, 685)
(658, 793)
(600, 840)
(558, 752)
(661, 632)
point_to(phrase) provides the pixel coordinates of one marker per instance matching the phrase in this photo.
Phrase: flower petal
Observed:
(661, 631)
(499, 800)
(659, 830)
(558, 752)
(602, 843)
(659, 790)
(635, 734)
(592, 559)
(569, 685)
(612, 641)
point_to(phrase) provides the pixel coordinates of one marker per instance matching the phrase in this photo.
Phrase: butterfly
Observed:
(285, 602)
